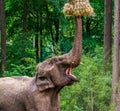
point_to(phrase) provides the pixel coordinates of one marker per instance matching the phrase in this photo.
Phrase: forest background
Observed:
(34, 30)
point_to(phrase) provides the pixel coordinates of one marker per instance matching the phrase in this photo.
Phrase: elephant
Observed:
(41, 93)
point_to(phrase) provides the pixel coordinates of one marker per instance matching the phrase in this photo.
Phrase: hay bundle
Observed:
(78, 8)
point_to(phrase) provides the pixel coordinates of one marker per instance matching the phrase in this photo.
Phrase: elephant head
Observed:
(57, 71)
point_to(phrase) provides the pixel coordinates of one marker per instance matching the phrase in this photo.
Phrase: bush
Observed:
(28, 68)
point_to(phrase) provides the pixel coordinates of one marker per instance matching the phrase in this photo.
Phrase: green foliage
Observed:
(28, 68)
(94, 89)
(44, 19)
(93, 27)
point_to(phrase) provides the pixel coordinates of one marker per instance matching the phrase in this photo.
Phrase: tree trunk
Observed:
(116, 53)
(88, 22)
(3, 36)
(24, 31)
(118, 100)
(108, 33)
(36, 39)
(116, 96)
(56, 23)
(41, 30)
(36, 47)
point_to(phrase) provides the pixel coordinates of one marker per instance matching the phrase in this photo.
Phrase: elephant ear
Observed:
(43, 83)
(43, 79)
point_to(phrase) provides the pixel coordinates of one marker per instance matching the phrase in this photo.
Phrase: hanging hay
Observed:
(78, 8)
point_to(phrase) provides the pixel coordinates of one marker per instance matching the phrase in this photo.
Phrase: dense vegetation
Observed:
(93, 93)
(37, 30)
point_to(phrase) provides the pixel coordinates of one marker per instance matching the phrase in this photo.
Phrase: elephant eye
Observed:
(56, 60)
(42, 78)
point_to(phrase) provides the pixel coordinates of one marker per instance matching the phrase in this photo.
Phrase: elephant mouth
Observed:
(70, 75)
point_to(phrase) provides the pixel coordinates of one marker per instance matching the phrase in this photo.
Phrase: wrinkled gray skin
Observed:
(40, 93)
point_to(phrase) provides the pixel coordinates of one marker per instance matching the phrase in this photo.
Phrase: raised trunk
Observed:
(73, 57)
(77, 48)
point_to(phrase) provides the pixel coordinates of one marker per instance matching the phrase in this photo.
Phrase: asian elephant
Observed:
(40, 93)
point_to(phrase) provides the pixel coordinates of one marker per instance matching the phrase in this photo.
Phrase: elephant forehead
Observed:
(44, 67)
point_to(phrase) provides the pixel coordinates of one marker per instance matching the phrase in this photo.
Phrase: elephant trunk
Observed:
(73, 57)
(76, 51)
